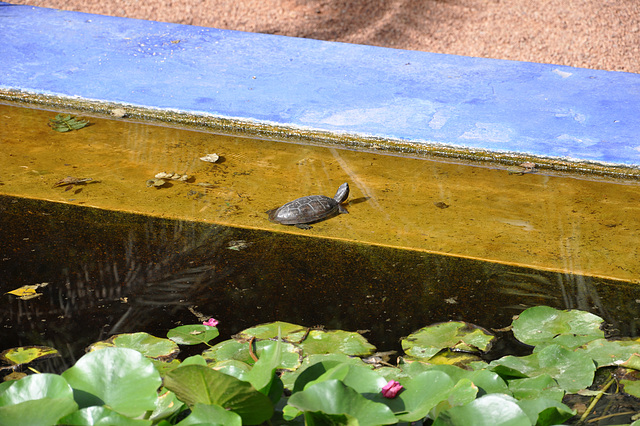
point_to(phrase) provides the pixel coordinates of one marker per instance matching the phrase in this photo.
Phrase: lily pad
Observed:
(572, 370)
(456, 358)
(631, 383)
(270, 331)
(540, 324)
(361, 378)
(430, 340)
(193, 334)
(234, 350)
(607, 352)
(487, 381)
(333, 397)
(197, 384)
(545, 411)
(167, 405)
(27, 354)
(536, 387)
(148, 345)
(232, 367)
(100, 416)
(36, 399)
(632, 362)
(334, 341)
(423, 393)
(313, 367)
(488, 410)
(211, 415)
(121, 378)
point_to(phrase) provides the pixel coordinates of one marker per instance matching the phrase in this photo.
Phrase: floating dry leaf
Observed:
(119, 112)
(210, 158)
(27, 292)
(156, 183)
(522, 168)
(172, 176)
(238, 245)
(441, 205)
(70, 181)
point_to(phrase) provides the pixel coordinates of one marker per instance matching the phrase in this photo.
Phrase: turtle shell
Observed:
(304, 210)
(311, 208)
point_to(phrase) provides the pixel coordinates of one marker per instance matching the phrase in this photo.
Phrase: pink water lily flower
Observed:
(391, 389)
(211, 322)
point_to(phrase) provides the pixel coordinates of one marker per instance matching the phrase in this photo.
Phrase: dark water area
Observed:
(111, 272)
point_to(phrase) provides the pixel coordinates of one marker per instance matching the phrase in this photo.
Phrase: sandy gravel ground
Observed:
(602, 34)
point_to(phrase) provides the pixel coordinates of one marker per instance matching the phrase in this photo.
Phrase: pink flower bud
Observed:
(211, 323)
(391, 389)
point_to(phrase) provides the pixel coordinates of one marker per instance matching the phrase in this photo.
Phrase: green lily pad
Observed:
(91, 416)
(193, 334)
(540, 324)
(270, 331)
(45, 411)
(315, 366)
(334, 342)
(486, 381)
(457, 335)
(197, 384)
(36, 399)
(569, 341)
(262, 375)
(311, 341)
(572, 370)
(632, 362)
(121, 378)
(608, 352)
(232, 349)
(544, 411)
(488, 410)
(333, 397)
(167, 405)
(421, 394)
(455, 358)
(211, 415)
(164, 367)
(361, 378)
(148, 345)
(232, 367)
(632, 387)
(36, 386)
(536, 387)
(27, 354)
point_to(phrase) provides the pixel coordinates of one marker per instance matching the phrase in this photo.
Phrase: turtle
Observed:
(309, 209)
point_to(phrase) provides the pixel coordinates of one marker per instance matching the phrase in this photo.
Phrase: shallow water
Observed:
(425, 241)
(556, 223)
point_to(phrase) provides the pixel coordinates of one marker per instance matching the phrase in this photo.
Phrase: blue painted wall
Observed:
(505, 106)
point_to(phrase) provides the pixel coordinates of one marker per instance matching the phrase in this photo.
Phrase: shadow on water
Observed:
(112, 272)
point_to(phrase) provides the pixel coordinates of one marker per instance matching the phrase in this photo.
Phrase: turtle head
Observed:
(342, 194)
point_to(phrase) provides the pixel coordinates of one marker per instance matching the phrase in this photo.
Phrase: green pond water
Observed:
(423, 242)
